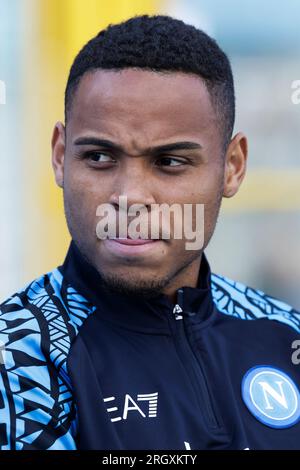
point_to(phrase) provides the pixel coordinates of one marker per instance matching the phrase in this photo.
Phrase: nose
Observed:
(134, 181)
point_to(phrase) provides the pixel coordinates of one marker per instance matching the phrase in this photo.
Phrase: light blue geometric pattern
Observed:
(38, 325)
(236, 299)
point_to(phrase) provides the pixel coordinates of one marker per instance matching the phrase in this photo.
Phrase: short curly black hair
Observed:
(160, 43)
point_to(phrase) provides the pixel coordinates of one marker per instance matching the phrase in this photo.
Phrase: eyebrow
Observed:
(109, 145)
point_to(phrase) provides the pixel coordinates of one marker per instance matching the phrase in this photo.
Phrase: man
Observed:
(132, 343)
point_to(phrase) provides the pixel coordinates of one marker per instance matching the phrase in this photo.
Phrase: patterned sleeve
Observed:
(36, 406)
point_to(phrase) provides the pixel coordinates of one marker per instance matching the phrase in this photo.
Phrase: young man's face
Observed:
(138, 110)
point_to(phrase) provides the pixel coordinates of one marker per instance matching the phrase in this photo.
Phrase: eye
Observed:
(170, 161)
(99, 157)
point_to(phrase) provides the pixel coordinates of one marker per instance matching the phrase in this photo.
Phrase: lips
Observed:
(130, 241)
(124, 247)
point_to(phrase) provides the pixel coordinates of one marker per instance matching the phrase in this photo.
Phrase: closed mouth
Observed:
(131, 241)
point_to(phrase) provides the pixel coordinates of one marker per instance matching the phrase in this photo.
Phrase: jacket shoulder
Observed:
(50, 293)
(246, 303)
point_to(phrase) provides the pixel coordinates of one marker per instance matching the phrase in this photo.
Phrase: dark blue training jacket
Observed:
(85, 369)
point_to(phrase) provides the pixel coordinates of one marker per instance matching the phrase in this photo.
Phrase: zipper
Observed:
(192, 363)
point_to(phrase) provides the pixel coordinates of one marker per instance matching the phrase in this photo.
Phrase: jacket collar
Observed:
(132, 312)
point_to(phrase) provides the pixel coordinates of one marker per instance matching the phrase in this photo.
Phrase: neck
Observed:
(187, 277)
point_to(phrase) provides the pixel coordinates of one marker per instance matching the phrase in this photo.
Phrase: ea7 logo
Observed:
(144, 404)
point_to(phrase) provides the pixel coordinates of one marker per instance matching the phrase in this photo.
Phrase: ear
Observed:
(235, 164)
(58, 152)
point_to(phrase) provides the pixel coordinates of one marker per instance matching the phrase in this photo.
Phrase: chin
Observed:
(133, 285)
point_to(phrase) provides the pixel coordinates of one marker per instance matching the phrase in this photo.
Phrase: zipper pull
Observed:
(177, 310)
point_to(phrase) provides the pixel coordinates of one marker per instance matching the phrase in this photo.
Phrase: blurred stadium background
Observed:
(257, 237)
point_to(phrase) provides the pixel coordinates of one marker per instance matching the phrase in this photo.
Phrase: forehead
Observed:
(156, 103)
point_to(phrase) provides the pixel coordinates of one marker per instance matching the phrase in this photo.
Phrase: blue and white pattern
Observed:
(236, 299)
(37, 326)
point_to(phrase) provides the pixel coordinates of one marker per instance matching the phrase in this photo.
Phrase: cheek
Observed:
(84, 191)
(80, 205)
(208, 193)
(202, 185)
